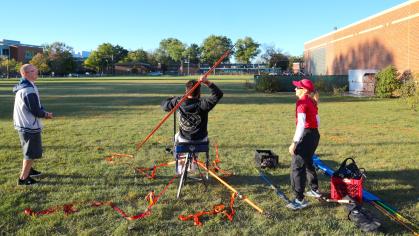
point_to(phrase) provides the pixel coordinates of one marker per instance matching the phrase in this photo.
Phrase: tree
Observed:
(294, 59)
(10, 66)
(246, 49)
(171, 49)
(136, 56)
(387, 82)
(104, 57)
(214, 47)
(152, 58)
(193, 53)
(60, 58)
(40, 60)
(119, 54)
(275, 58)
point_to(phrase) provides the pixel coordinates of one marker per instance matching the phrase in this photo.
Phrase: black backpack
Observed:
(349, 171)
(362, 218)
(266, 159)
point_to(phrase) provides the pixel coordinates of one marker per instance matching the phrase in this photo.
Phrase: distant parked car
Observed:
(73, 75)
(155, 73)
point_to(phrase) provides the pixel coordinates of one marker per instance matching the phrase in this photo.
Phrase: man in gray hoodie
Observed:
(26, 114)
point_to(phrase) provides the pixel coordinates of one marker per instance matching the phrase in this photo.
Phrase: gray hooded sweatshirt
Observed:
(27, 108)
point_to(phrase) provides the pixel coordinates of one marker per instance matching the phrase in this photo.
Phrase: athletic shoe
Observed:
(313, 193)
(34, 173)
(297, 204)
(27, 181)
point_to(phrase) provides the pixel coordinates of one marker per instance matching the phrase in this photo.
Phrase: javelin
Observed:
(139, 145)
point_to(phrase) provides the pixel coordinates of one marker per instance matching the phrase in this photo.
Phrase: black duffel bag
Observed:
(349, 171)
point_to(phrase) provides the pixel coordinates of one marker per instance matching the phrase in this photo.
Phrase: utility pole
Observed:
(7, 67)
(188, 64)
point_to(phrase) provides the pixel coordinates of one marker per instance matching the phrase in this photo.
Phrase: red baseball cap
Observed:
(304, 83)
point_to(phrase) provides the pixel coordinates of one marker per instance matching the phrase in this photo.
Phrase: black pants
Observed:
(302, 168)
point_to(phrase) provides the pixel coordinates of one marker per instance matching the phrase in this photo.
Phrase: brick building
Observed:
(390, 37)
(20, 52)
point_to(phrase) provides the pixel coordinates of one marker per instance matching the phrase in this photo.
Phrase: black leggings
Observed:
(302, 168)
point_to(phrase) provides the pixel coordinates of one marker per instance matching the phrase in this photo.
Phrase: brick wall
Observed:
(24, 53)
(388, 38)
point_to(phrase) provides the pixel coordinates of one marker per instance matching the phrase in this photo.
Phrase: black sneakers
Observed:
(34, 173)
(27, 181)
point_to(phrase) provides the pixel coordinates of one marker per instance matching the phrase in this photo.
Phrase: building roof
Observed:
(10, 43)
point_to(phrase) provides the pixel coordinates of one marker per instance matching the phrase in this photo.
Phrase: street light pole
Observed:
(188, 64)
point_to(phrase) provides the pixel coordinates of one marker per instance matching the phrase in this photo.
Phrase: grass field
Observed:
(94, 117)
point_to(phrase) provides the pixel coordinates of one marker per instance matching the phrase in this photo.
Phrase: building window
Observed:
(5, 52)
(28, 55)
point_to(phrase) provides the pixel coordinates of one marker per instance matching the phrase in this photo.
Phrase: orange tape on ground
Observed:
(69, 208)
(215, 163)
(110, 159)
(152, 175)
(217, 209)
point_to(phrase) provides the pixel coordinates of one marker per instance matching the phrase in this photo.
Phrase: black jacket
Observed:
(193, 112)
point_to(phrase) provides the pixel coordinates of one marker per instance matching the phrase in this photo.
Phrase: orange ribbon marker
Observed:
(114, 156)
(67, 209)
(217, 209)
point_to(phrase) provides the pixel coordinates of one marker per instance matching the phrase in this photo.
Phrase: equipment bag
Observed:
(347, 180)
(362, 218)
(266, 159)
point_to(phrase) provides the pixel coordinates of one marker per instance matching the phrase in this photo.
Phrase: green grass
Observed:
(95, 116)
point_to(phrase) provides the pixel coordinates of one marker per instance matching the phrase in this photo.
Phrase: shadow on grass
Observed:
(246, 180)
(95, 98)
(8, 146)
(238, 94)
(367, 144)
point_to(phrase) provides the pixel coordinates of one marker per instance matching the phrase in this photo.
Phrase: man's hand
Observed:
(48, 115)
(204, 80)
(291, 149)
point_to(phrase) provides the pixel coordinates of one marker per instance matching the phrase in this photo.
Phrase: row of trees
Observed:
(57, 57)
(172, 51)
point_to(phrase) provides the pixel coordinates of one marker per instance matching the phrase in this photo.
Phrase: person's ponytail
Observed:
(315, 96)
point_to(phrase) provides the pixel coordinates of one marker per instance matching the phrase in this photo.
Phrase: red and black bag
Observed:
(347, 181)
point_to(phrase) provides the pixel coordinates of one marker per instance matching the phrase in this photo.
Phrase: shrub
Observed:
(409, 92)
(386, 82)
(320, 84)
(267, 84)
(339, 91)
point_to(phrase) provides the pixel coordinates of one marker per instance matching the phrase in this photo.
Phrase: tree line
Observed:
(57, 57)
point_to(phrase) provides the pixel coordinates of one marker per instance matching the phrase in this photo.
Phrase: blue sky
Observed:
(134, 24)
